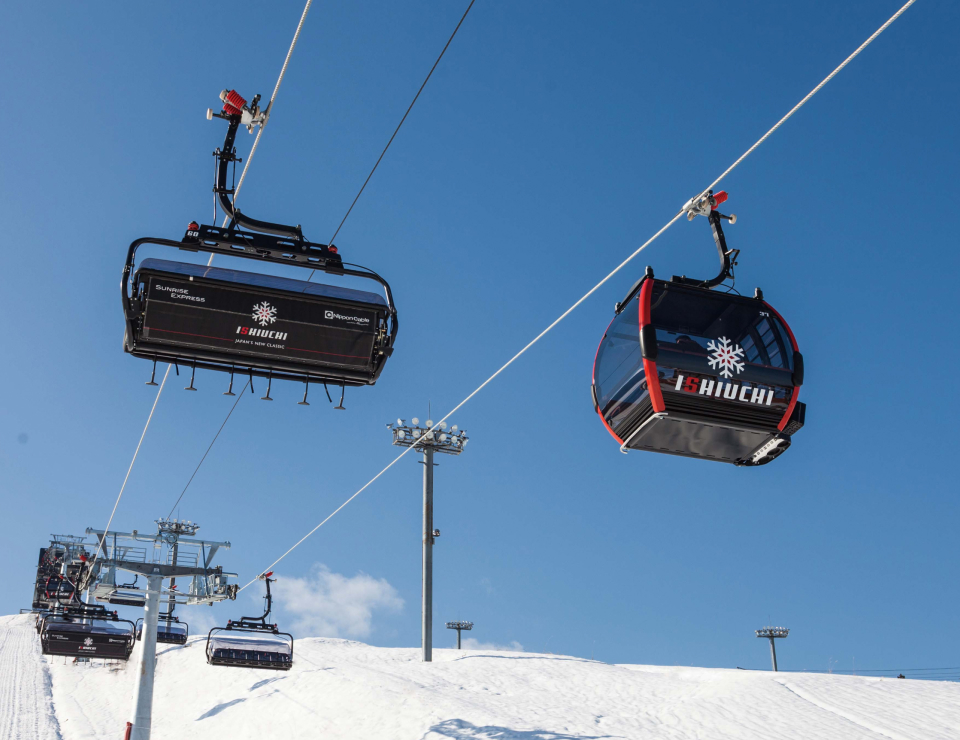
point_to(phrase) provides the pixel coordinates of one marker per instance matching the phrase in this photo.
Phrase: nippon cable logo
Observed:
(355, 319)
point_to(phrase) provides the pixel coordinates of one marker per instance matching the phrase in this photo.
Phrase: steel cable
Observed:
(602, 282)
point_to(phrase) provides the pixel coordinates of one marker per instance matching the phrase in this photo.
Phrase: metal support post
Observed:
(143, 698)
(773, 653)
(458, 639)
(427, 605)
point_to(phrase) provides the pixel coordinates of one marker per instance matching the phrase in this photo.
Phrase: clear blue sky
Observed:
(553, 139)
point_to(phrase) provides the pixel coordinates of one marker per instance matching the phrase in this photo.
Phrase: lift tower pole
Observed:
(426, 591)
(427, 441)
(166, 554)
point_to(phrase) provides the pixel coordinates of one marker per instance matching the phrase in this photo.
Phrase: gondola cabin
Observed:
(685, 370)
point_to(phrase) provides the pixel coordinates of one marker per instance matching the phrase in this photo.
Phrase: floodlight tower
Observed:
(458, 626)
(773, 633)
(428, 440)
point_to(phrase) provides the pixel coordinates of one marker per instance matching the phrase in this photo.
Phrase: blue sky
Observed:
(553, 139)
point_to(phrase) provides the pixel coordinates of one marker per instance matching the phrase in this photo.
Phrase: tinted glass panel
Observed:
(707, 330)
(619, 363)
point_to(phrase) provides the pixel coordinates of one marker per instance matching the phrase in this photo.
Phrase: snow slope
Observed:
(26, 711)
(343, 689)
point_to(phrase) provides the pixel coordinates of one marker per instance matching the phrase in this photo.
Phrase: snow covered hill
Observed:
(343, 689)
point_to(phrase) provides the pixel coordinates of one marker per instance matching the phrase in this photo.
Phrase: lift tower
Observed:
(428, 440)
(166, 554)
(773, 633)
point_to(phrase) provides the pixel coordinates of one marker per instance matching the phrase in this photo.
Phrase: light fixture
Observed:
(443, 437)
(401, 435)
(416, 420)
(399, 422)
(443, 425)
(453, 428)
(416, 432)
(429, 423)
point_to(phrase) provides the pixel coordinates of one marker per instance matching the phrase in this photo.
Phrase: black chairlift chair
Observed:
(250, 323)
(251, 642)
(687, 370)
(84, 630)
(170, 630)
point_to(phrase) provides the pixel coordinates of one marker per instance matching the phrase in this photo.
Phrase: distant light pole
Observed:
(458, 625)
(773, 633)
(428, 440)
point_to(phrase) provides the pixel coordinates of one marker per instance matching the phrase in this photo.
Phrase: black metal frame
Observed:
(254, 625)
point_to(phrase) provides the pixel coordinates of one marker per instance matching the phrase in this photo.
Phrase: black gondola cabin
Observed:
(689, 371)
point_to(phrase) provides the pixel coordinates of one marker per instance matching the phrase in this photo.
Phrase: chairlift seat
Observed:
(232, 320)
(272, 651)
(169, 631)
(88, 637)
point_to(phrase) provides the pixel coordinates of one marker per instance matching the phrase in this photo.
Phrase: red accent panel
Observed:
(796, 390)
(720, 198)
(649, 366)
(235, 99)
(793, 402)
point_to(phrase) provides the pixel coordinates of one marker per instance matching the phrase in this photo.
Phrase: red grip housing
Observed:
(234, 99)
(720, 198)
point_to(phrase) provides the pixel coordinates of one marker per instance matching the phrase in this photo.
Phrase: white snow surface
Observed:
(343, 689)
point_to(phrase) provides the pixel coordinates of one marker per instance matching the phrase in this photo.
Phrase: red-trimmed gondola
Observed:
(250, 323)
(687, 370)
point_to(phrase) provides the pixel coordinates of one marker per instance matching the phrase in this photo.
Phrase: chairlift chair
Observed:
(687, 370)
(170, 630)
(250, 323)
(251, 642)
(88, 631)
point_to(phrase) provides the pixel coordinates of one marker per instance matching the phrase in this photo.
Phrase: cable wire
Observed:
(397, 130)
(130, 469)
(209, 447)
(601, 283)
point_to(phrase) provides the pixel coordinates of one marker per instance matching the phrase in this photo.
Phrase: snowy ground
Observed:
(342, 689)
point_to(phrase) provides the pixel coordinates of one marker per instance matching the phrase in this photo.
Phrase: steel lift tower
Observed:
(428, 440)
(773, 633)
(170, 553)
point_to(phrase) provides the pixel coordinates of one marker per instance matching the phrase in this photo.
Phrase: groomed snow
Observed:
(343, 689)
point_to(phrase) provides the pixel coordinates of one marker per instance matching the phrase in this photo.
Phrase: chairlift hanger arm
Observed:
(224, 158)
(706, 205)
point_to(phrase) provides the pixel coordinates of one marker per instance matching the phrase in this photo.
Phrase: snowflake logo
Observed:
(88, 641)
(725, 356)
(264, 313)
